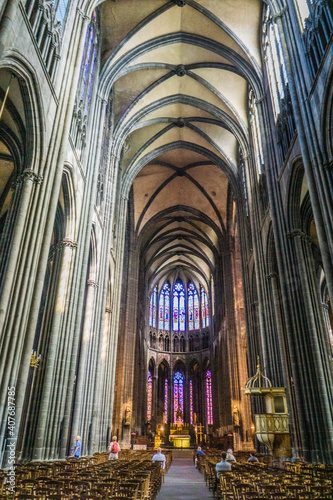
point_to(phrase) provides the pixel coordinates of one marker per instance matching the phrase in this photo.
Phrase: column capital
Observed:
(92, 283)
(280, 14)
(67, 242)
(328, 165)
(298, 233)
(260, 99)
(82, 14)
(108, 310)
(29, 175)
(271, 276)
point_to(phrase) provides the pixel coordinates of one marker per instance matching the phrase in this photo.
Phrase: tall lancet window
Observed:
(204, 309)
(88, 64)
(178, 319)
(86, 81)
(149, 395)
(209, 399)
(60, 7)
(276, 67)
(166, 399)
(193, 308)
(164, 308)
(191, 402)
(178, 398)
(152, 308)
(256, 136)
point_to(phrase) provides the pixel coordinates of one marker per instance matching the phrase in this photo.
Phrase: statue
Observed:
(128, 415)
(179, 417)
(235, 416)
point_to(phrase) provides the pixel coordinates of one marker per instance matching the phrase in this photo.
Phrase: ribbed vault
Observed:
(180, 73)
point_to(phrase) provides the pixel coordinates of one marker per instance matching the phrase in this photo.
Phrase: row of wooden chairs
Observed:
(248, 481)
(132, 477)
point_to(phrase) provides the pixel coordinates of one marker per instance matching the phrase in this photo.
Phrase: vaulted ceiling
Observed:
(180, 72)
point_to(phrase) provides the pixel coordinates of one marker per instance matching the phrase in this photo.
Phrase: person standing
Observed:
(77, 448)
(114, 449)
(159, 457)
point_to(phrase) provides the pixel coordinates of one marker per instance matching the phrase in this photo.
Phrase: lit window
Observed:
(255, 128)
(204, 309)
(164, 308)
(191, 402)
(178, 320)
(152, 308)
(178, 398)
(209, 399)
(60, 7)
(303, 10)
(193, 308)
(149, 395)
(166, 397)
(276, 68)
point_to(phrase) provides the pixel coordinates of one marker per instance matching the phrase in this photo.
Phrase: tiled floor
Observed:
(184, 481)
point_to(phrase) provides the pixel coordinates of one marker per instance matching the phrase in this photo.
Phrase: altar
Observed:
(180, 440)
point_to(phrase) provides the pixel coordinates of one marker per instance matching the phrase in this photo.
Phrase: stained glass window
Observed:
(191, 402)
(60, 6)
(178, 398)
(277, 74)
(149, 395)
(86, 82)
(152, 308)
(166, 398)
(193, 308)
(164, 308)
(190, 308)
(178, 320)
(209, 399)
(204, 308)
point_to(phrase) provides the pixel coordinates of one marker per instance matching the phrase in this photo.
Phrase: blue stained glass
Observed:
(178, 397)
(164, 309)
(167, 310)
(152, 307)
(151, 310)
(87, 62)
(61, 10)
(182, 311)
(196, 311)
(175, 312)
(179, 313)
(209, 398)
(91, 79)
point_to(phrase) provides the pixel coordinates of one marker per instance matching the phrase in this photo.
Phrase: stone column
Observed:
(83, 380)
(311, 372)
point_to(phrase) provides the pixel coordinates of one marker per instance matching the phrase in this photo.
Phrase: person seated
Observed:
(252, 458)
(198, 453)
(230, 457)
(222, 466)
(159, 457)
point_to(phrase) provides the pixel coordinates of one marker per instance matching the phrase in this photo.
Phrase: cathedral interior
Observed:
(166, 225)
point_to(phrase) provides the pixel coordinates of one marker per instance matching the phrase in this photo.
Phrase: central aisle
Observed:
(184, 481)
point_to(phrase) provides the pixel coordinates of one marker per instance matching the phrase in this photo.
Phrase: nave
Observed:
(183, 481)
(166, 228)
